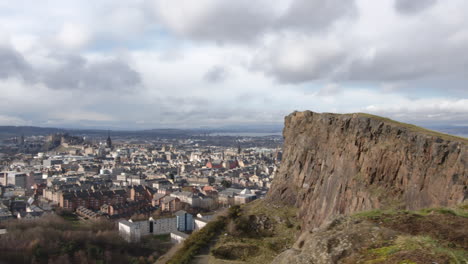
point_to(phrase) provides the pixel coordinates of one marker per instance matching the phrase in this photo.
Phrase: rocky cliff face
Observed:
(340, 164)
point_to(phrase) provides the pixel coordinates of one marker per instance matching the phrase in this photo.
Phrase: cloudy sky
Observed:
(183, 63)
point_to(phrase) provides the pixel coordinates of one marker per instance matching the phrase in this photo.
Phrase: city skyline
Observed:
(181, 64)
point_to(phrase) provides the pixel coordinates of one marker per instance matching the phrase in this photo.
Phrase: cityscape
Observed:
(156, 178)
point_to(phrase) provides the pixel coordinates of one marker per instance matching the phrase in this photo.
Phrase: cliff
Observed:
(341, 164)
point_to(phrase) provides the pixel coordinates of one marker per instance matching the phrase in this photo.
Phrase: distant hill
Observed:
(10, 131)
(28, 130)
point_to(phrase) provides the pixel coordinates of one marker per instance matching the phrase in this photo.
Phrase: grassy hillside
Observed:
(260, 231)
(437, 235)
(252, 233)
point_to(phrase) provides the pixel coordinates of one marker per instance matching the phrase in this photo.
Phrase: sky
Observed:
(140, 64)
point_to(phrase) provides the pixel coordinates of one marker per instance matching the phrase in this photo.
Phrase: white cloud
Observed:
(299, 58)
(73, 36)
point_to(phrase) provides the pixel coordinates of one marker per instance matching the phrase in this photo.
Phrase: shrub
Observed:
(197, 241)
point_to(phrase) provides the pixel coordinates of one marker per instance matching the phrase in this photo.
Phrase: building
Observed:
(178, 237)
(109, 141)
(217, 164)
(128, 209)
(226, 197)
(86, 213)
(18, 179)
(90, 199)
(3, 178)
(184, 221)
(134, 231)
(199, 223)
(162, 184)
(140, 192)
(130, 231)
(188, 197)
(51, 162)
(246, 196)
(167, 203)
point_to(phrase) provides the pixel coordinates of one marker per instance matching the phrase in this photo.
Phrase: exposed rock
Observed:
(339, 240)
(340, 164)
(394, 237)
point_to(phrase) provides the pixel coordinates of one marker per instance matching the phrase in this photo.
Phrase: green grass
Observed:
(449, 211)
(267, 246)
(197, 241)
(412, 245)
(408, 244)
(461, 211)
(384, 215)
(259, 207)
(164, 238)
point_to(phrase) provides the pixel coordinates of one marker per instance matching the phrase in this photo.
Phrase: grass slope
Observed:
(436, 235)
(252, 233)
(258, 239)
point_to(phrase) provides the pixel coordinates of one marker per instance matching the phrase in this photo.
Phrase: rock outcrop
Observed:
(342, 238)
(341, 164)
(427, 236)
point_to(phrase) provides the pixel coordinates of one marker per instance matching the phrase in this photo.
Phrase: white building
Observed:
(178, 237)
(199, 223)
(133, 231)
(130, 231)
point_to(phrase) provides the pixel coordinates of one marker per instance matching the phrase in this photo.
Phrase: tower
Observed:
(108, 141)
(239, 150)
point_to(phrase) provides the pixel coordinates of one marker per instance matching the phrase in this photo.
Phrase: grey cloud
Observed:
(78, 73)
(310, 71)
(415, 57)
(413, 6)
(391, 66)
(216, 74)
(223, 21)
(408, 63)
(232, 23)
(13, 64)
(316, 14)
(245, 21)
(316, 65)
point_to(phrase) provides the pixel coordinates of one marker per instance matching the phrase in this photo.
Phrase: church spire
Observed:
(108, 141)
